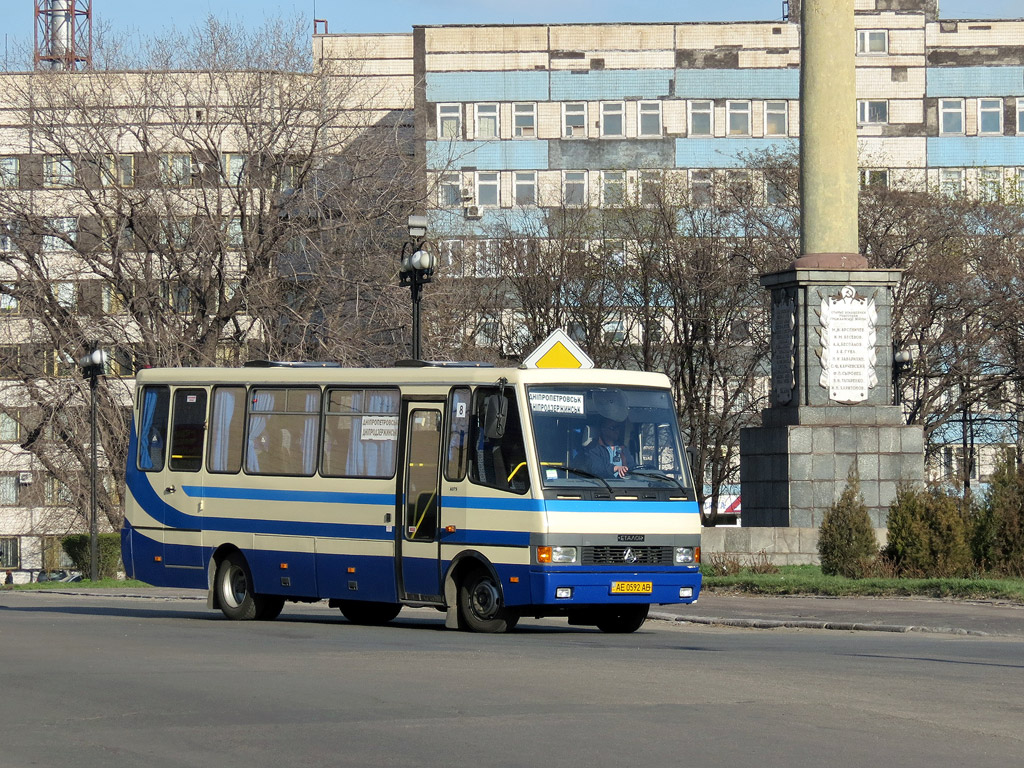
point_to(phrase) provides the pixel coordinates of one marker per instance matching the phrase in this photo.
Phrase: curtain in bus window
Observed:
(223, 413)
(309, 433)
(373, 458)
(151, 437)
(262, 401)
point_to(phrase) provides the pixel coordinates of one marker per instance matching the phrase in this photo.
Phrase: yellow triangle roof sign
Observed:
(558, 351)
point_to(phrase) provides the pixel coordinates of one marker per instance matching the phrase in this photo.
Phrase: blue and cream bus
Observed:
(489, 494)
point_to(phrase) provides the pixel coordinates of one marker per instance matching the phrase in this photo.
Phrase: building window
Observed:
(701, 184)
(776, 118)
(449, 121)
(233, 167)
(990, 184)
(738, 118)
(487, 124)
(872, 112)
(1020, 117)
(702, 118)
(9, 361)
(63, 233)
(648, 118)
(990, 116)
(613, 188)
(9, 490)
(574, 120)
(613, 118)
(233, 236)
(57, 493)
(10, 552)
(8, 172)
(951, 116)
(874, 177)
(58, 171)
(449, 190)
(8, 232)
(524, 121)
(8, 303)
(650, 187)
(117, 170)
(176, 169)
(574, 188)
(65, 294)
(525, 187)
(951, 181)
(10, 429)
(487, 188)
(776, 192)
(872, 42)
(117, 234)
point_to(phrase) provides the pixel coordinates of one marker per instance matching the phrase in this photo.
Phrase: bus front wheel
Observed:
(234, 591)
(623, 619)
(480, 605)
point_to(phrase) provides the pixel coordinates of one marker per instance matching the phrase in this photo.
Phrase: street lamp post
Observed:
(901, 361)
(93, 366)
(416, 266)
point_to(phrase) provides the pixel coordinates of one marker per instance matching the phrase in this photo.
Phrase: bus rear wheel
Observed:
(367, 613)
(480, 608)
(234, 586)
(623, 619)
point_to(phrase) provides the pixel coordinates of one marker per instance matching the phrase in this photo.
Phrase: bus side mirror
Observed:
(691, 459)
(495, 415)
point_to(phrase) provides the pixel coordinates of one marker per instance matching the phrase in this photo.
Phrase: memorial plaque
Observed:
(847, 351)
(783, 322)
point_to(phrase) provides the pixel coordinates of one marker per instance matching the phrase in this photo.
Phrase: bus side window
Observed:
(498, 462)
(227, 420)
(458, 435)
(188, 430)
(153, 428)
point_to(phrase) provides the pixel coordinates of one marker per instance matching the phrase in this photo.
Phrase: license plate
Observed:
(631, 587)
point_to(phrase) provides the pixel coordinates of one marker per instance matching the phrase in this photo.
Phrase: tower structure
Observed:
(63, 34)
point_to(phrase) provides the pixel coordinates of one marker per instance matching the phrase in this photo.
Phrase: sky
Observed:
(150, 18)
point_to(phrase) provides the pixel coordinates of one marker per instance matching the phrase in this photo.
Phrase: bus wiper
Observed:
(582, 473)
(659, 476)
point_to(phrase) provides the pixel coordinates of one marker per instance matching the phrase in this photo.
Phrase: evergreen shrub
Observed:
(108, 551)
(998, 536)
(929, 534)
(846, 540)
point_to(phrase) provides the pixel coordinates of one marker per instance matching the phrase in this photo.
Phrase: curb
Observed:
(800, 624)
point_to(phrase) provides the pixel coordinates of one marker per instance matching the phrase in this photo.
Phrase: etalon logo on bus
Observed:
(629, 556)
(631, 537)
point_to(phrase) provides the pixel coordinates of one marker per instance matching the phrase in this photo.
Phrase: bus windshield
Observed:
(616, 437)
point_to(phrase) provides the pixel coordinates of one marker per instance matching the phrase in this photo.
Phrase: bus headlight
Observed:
(685, 556)
(556, 555)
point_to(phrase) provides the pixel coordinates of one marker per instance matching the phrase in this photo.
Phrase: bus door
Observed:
(181, 483)
(419, 504)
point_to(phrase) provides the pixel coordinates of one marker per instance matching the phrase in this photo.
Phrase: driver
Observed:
(607, 456)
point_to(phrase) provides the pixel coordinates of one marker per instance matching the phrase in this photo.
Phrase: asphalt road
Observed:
(104, 681)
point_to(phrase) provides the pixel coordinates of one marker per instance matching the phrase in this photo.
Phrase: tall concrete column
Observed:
(829, 180)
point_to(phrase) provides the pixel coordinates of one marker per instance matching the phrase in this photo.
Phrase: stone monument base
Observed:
(796, 464)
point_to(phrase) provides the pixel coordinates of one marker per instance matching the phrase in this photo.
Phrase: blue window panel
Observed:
(726, 153)
(451, 222)
(737, 83)
(487, 86)
(607, 84)
(966, 151)
(488, 155)
(959, 82)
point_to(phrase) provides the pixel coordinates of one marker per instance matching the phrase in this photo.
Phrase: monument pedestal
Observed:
(832, 401)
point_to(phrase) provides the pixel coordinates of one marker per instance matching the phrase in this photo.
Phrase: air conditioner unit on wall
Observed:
(473, 212)
(25, 478)
(467, 193)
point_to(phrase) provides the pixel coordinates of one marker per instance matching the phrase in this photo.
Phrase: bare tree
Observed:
(224, 202)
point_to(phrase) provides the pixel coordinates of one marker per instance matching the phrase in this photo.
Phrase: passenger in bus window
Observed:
(607, 456)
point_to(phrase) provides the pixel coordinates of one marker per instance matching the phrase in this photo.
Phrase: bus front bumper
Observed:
(584, 586)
